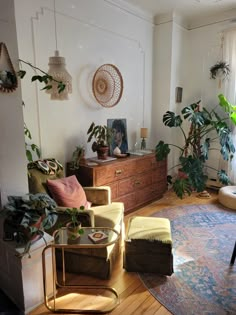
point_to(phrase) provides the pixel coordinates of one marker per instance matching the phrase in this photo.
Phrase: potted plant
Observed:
(220, 69)
(74, 229)
(205, 127)
(102, 135)
(26, 217)
(77, 156)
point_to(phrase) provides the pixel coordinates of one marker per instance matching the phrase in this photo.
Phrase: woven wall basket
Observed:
(8, 79)
(107, 85)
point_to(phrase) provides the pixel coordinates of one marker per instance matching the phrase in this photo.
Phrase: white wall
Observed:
(13, 179)
(89, 33)
(183, 58)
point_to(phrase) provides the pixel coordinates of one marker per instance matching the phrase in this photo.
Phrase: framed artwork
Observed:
(119, 135)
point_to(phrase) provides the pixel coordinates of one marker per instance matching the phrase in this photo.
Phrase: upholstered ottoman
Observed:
(148, 245)
(227, 196)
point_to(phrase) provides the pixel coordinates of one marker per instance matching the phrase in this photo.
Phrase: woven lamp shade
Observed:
(57, 69)
(107, 85)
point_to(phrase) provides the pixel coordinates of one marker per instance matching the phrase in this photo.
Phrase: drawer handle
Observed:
(118, 172)
(137, 182)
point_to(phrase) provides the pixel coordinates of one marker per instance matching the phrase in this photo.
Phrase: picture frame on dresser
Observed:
(119, 137)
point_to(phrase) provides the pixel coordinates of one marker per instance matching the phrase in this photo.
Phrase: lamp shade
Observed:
(57, 69)
(143, 132)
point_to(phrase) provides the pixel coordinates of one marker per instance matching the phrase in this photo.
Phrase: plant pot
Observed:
(102, 152)
(73, 230)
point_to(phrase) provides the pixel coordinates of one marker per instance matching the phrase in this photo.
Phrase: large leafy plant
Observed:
(26, 217)
(101, 135)
(205, 128)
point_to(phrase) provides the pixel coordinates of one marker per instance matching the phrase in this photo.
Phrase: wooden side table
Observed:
(66, 298)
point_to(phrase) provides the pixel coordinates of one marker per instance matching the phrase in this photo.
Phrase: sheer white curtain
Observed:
(230, 85)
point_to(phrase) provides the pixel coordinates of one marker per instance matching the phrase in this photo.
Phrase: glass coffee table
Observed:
(77, 298)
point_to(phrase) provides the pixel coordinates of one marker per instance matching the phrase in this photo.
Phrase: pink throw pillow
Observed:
(67, 192)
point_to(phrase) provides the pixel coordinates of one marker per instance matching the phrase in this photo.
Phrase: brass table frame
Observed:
(86, 244)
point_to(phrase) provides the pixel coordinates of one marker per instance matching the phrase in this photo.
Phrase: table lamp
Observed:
(143, 135)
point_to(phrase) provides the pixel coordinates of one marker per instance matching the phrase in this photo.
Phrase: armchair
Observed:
(102, 213)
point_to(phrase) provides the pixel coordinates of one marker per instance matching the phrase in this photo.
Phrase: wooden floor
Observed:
(134, 298)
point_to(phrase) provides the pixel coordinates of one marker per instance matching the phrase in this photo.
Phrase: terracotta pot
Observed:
(102, 152)
(73, 230)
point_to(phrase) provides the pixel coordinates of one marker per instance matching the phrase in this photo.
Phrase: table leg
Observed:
(233, 255)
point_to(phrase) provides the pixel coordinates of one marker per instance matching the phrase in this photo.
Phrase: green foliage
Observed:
(221, 68)
(76, 156)
(73, 212)
(205, 128)
(44, 78)
(101, 133)
(30, 147)
(28, 216)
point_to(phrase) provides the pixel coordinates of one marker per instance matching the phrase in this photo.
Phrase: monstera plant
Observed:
(205, 128)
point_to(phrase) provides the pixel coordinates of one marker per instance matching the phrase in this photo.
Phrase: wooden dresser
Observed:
(134, 180)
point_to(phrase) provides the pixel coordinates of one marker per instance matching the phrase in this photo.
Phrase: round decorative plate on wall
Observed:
(107, 85)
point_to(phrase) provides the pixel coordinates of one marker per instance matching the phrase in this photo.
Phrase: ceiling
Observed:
(187, 9)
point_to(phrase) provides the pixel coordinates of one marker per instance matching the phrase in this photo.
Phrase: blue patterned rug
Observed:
(203, 282)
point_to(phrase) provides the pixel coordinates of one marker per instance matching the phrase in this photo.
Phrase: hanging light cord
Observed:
(55, 22)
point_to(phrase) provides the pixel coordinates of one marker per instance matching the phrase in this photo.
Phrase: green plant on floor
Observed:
(205, 129)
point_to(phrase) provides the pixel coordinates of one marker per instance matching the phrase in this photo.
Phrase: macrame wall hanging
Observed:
(107, 85)
(220, 69)
(8, 79)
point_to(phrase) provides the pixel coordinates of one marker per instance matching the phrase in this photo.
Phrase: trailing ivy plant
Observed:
(43, 78)
(47, 80)
(30, 147)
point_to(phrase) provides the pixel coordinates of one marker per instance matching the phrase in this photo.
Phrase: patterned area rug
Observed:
(203, 282)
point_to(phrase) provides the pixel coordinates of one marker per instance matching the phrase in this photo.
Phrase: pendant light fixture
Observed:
(58, 71)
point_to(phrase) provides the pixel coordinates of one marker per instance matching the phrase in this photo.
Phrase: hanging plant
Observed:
(43, 78)
(220, 69)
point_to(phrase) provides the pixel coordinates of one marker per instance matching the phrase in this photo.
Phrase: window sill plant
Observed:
(205, 128)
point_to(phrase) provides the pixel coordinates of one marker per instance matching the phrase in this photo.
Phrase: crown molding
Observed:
(196, 22)
(131, 9)
(224, 16)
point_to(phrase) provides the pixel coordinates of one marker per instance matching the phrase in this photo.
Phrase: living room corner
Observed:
(154, 56)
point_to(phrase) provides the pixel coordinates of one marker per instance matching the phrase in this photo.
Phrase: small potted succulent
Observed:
(77, 156)
(102, 135)
(74, 229)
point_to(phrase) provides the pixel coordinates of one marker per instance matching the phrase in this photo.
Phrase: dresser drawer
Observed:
(134, 180)
(114, 172)
(158, 174)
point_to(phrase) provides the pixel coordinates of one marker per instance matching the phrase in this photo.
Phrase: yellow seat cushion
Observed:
(147, 228)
